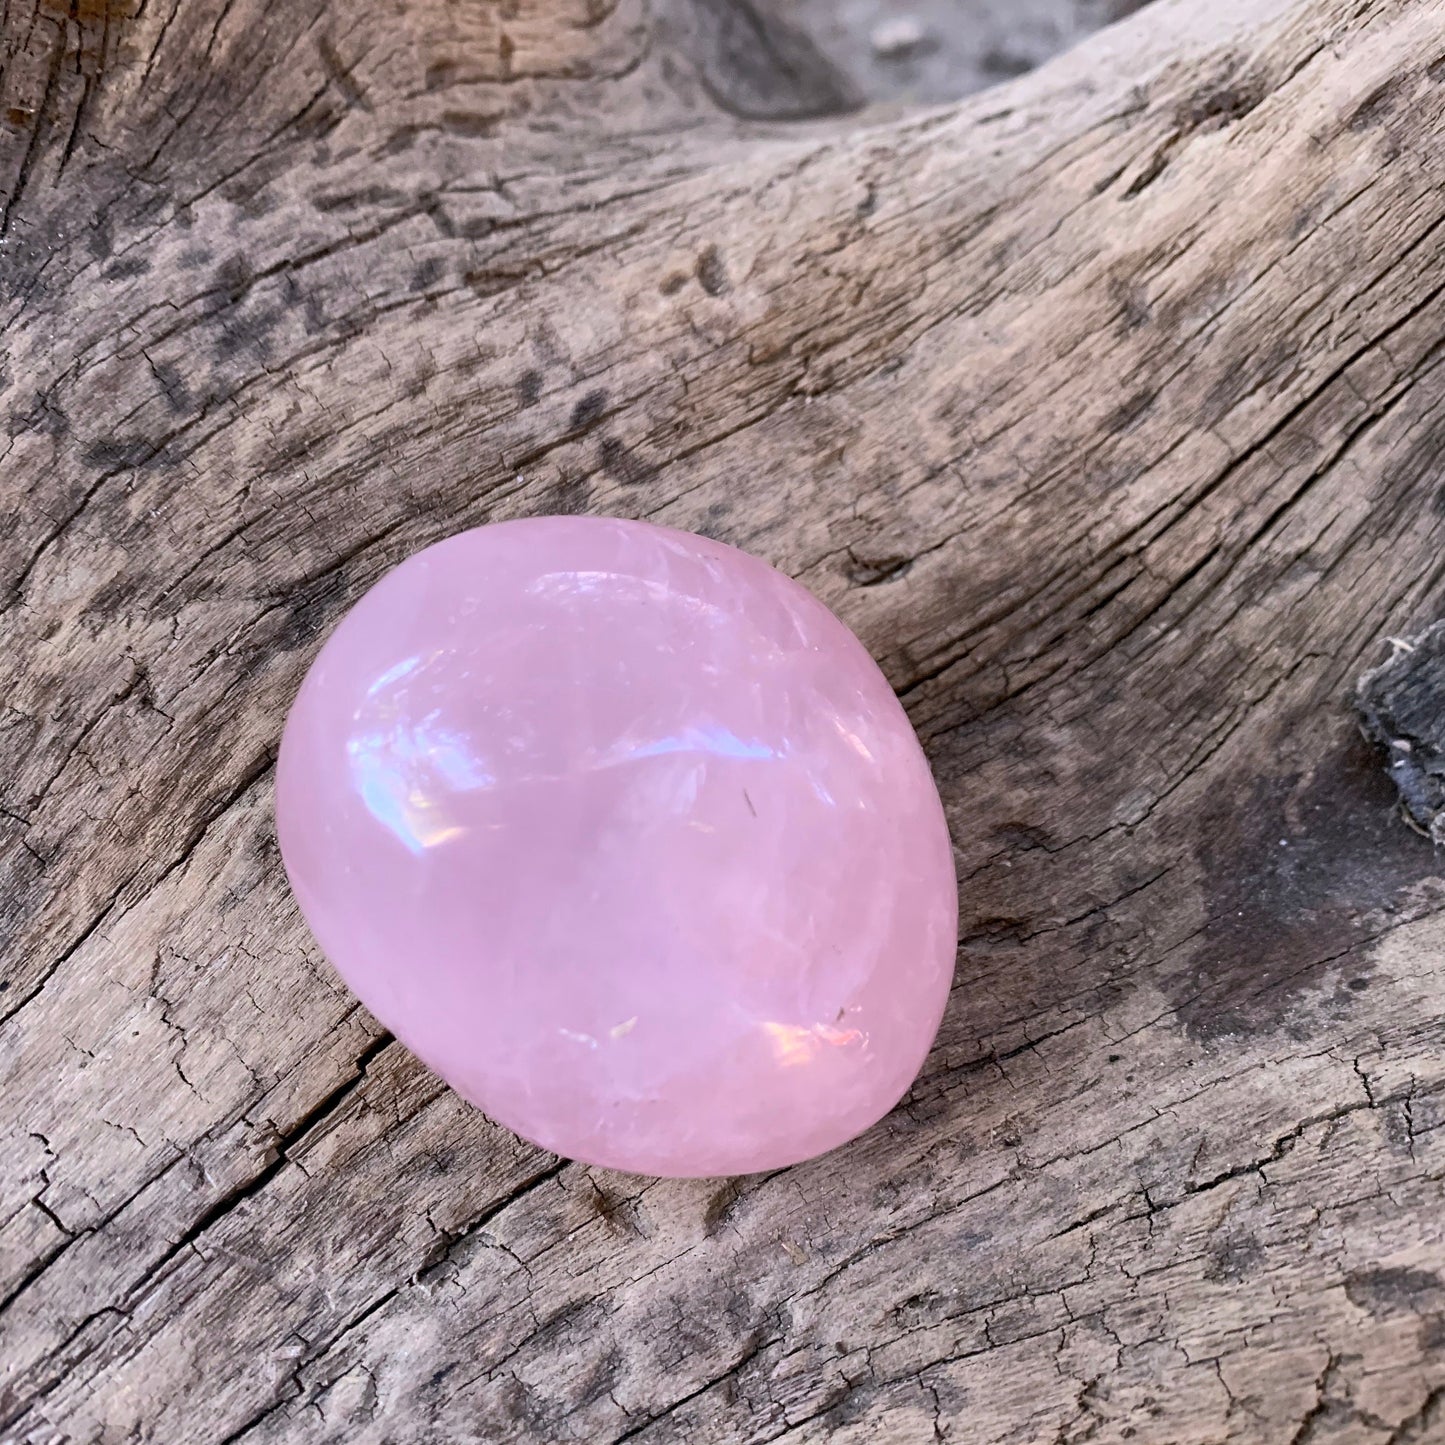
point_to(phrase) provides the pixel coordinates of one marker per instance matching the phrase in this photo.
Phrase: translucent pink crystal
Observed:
(627, 837)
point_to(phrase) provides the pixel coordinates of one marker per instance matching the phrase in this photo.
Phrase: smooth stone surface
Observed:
(626, 836)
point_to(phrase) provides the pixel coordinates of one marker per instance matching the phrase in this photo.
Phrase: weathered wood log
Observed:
(1107, 406)
(1402, 710)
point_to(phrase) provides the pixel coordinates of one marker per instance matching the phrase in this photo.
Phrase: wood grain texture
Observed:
(1108, 407)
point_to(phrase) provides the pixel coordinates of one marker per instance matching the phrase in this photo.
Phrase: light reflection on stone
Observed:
(405, 770)
(794, 1045)
(404, 776)
(623, 586)
(710, 739)
(403, 773)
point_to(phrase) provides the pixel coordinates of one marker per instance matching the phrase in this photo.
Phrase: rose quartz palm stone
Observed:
(626, 836)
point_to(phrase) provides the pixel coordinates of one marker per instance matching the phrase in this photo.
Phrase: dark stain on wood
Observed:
(569, 497)
(873, 572)
(529, 388)
(1023, 837)
(1375, 106)
(100, 239)
(1214, 108)
(44, 415)
(254, 201)
(440, 74)
(600, 1380)
(248, 331)
(471, 123)
(1210, 109)
(484, 282)
(1298, 871)
(298, 297)
(1244, 377)
(173, 387)
(1421, 458)
(1128, 413)
(588, 411)
(1131, 298)
(997, 932)
(1394, 1289)
(711, 273)
(114, 454)
(367, 198)
(233, 278)
(1233, 1258)
(622, 464)
(439, 1377)
(1432, 1334)
(126, 270)
(428, 272)
(403, 138)
(310, 612)
(721, 1207)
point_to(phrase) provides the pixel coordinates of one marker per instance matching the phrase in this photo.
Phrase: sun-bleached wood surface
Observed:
(1107, 406)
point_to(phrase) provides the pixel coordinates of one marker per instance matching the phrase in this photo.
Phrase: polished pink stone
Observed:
(627, 837)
